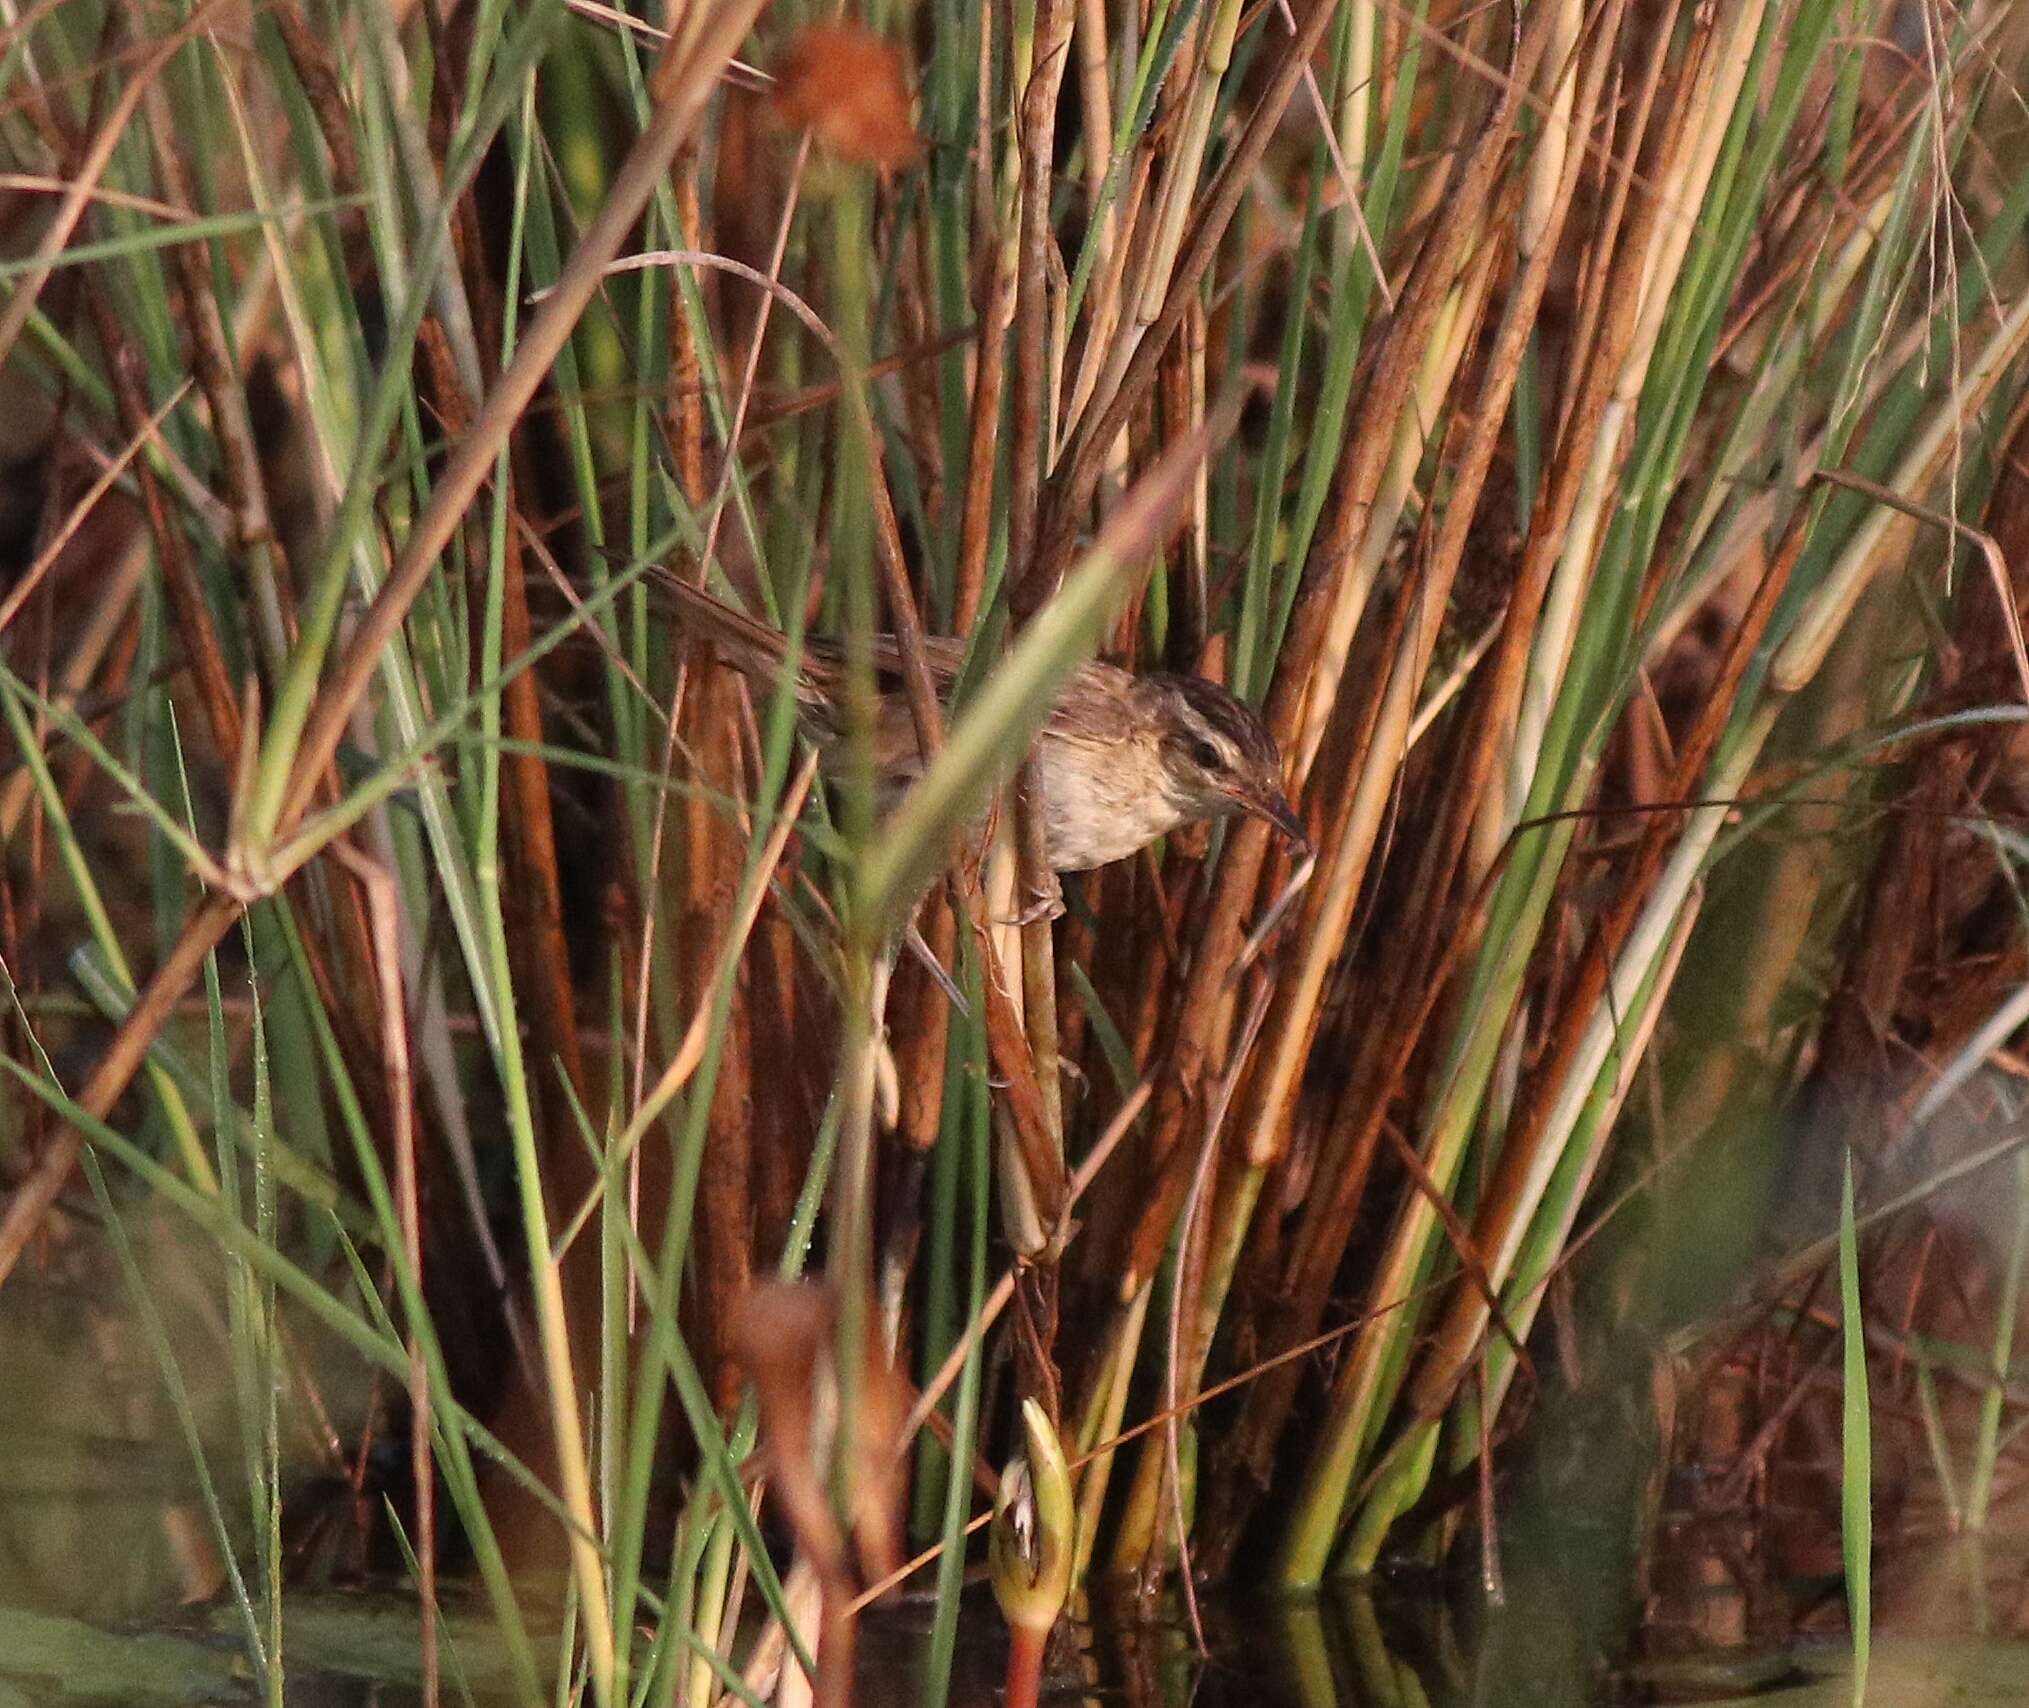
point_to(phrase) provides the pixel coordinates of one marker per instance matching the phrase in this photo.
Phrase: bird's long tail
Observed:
(748, 646)
(751, 647)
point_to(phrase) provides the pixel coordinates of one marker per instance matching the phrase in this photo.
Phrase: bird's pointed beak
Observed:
(1274, 806)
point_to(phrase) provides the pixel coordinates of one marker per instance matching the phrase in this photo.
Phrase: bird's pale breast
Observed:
(1100, 805)
(1103, 798)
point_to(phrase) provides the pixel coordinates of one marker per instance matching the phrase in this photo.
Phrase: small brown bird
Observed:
(1124, 758)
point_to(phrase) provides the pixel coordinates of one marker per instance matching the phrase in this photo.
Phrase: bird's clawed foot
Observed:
(1048, 904)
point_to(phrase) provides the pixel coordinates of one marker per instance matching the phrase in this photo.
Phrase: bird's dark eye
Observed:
(1206, 755)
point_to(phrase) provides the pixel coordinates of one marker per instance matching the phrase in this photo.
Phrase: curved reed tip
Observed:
(1033, 1540)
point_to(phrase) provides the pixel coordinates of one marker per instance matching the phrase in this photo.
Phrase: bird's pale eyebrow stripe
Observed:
(1225, 717)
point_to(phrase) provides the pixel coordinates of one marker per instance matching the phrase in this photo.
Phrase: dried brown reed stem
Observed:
(1031, 583)
(533, 886)
(534, 882)
(724, 1181)
(311, 61)
(996, 256)
(1031, 580)
(714, 854)
(711, 872)
(187, 607)
(383, 907)
(219, 378)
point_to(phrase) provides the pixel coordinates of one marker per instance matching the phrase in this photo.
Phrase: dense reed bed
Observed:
(446, 1012)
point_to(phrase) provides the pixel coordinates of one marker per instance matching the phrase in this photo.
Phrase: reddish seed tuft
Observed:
(846, 85)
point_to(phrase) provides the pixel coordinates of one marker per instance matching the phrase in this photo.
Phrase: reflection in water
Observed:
(1398, 1646)
(1342, 1649)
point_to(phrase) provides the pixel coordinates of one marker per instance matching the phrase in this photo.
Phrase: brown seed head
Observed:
(846, 86)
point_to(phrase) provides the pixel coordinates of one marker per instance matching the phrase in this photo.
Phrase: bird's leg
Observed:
(1038, 877)
(887, 1082)
(912, 939)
